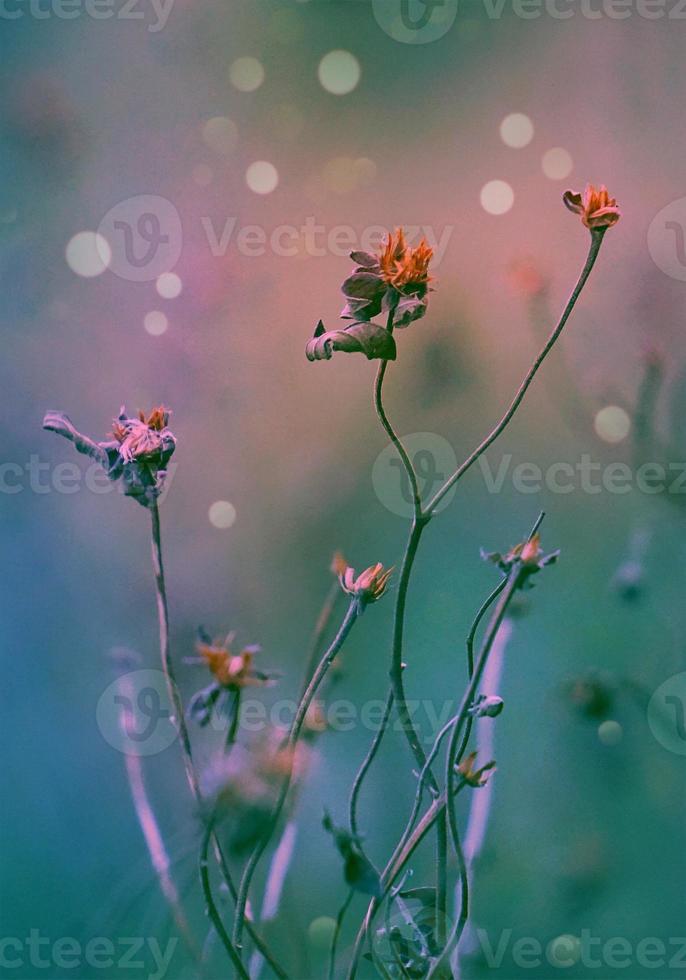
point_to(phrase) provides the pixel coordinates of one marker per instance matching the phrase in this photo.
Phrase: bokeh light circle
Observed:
(610, 732)
(497, 197)
(262, 177)
(339, 72)
(612, 424)
(516, 130)
(169, 285)
(246, 74)
(155, 323)
(88, 254)
(320, 931)
(557, 163)
(222, 514)
(221, 134)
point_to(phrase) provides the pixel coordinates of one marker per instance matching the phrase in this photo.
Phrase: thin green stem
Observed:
(507, 591)
(401, 855)
(165, 651)
(596, 241)
(180, 719)
(369, 758)
(348, 622)
(337, 932)
(212, 910)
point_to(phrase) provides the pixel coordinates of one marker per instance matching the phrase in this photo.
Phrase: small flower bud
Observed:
(487, 706)
(369, 585)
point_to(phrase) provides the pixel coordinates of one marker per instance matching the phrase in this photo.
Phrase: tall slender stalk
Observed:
(165, 652)
(597, 235)
(423, 513)
(180, 721)
(147, 820)
(296, 727)
(212, 909)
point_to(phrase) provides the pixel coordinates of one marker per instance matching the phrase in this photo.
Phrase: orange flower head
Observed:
(402, 265)
(229, 670)
(596, 207)
(475, 777)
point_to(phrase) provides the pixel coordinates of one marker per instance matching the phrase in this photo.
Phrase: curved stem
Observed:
(512, 583)
(470, 659)
(159, 858)
(212, 910)
(165, 651)
(307, 698)
(337, 932)
(369, 758)
(395, 439)
(596, 241)
(180, 719)
(401, 855)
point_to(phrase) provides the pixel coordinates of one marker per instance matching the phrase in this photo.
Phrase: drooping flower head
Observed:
(138, 453)
(595, 206)
(395, 283)
(475, 777)
(369, 586)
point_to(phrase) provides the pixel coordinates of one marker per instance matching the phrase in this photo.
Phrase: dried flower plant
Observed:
(246, 792)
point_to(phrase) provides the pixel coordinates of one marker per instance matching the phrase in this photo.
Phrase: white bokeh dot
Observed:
(222, 514)
(246, 74)
(557, 163)
(612, 424)
(516, 130)
(610, 732)
(262, 177)
(88, 254)
(221, 134)
(155, 322)
(497, 197)
(168, 285)
(339, 72)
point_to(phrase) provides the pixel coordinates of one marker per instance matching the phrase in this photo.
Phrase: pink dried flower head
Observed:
(138, 453)
(369, 586)
(140, 437)
(596, 207)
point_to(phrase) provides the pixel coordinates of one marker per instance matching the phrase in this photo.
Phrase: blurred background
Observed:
(180, 186)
